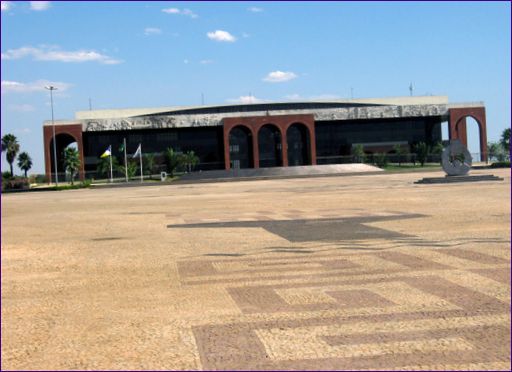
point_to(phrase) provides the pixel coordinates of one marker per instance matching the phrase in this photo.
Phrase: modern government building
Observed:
(279, 134)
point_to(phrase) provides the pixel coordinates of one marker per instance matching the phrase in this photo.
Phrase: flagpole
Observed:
(140, 155)
(111, 172)
(125, 161)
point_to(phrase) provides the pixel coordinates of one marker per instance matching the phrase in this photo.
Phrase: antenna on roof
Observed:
(411, 89)
(90, 104)
(351, 93)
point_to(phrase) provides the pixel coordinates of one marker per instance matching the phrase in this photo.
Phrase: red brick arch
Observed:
(457, 126)
(73, 130)
(282, 122)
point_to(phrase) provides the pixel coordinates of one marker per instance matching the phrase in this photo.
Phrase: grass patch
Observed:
(411, 167)
(81, 185)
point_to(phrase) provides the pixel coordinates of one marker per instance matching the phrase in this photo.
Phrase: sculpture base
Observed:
(454, 179)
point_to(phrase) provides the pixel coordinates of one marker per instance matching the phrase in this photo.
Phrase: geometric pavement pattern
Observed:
(442, 308)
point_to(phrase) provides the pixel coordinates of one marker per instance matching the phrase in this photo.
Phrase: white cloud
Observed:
(9, 86)
(189, 13)
(206, 61)
(185, 12)
(220, 35)
(245, 34)
(171, 10)
(185, 61)
(247, 99)
(279, 76)
(152, 31)
(6, 5)
(52, 53)
(39, 5)
(255, 9)
(21, 108)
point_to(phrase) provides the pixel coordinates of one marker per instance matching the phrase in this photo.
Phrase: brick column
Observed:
(284, 146)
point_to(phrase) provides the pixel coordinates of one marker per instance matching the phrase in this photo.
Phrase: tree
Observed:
(11, 147)
(174, 160)
(24, 162)
(149, 163)
(496, 151)
(191, 160)
(505, 140)
(422, 152)
(437, 149)
(71, 162)
(399, 151)
(131, 169)
(358, 153)
(103, 166)
(381, 160)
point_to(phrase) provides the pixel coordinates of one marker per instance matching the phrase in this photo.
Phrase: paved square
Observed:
(362, 272)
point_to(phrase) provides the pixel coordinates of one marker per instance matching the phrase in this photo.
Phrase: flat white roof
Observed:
(130, 112)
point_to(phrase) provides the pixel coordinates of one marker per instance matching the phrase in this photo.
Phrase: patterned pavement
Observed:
(443, 308)
(340, 273)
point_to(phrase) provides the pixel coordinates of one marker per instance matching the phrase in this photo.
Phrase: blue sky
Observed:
(150, 54)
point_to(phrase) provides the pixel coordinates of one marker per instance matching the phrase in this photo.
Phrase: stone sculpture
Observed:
(456, 159)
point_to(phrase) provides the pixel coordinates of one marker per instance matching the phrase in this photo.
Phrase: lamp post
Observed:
(51, 89)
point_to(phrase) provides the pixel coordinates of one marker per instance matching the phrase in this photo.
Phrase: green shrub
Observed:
(75, 186)
(358, 154)
(15, 183)
(6, 176)
(381, 160)
(501, 164)
(422, 151)
(37, 178)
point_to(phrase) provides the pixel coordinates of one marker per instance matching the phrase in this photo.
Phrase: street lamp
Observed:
(51, 89)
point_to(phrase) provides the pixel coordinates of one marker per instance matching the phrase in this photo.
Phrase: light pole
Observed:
(51, 89)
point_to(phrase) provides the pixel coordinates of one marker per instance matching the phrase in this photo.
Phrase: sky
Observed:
(152, 54)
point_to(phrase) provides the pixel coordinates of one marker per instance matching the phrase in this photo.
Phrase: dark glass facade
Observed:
(240, 148)
(334, 140)
(270, 147)
(206, 142)
(298, 145)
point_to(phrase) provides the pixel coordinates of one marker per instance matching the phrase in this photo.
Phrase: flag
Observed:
(121, 148)
(107, 152)
(137, 153)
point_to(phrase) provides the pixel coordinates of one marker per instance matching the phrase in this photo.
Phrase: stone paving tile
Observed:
(351, 273)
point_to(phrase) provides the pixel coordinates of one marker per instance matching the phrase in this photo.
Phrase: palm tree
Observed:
(174, 160)
(399, 151)
(422, 151)
(495, 151)
(11, 147)
(358, 153)
(71, 161)
(131, 169)
(149, 163)
(191, 160)
(24, 162)
(505, 140)
(103, 166)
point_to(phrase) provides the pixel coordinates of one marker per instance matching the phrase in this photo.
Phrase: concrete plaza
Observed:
(353, 272)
